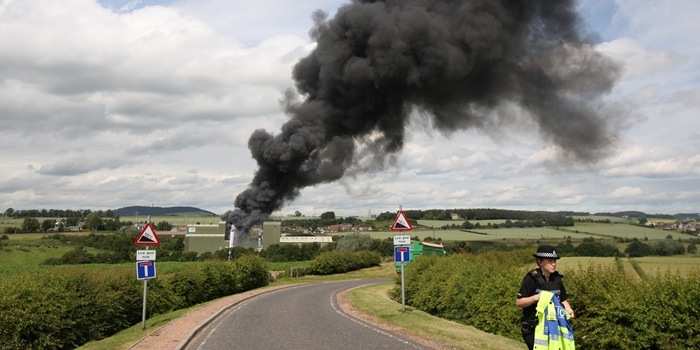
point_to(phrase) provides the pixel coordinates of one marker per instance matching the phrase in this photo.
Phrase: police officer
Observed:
(544, 277)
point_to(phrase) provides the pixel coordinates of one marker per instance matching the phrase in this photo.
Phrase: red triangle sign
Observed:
(148, 236)
(401, 223)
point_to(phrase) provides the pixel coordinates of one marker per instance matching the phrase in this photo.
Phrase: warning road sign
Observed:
(401, 223)
(148, 236)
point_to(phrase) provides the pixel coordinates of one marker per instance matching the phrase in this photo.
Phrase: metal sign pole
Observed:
(145, 290)
(403, 292)
(143, 314)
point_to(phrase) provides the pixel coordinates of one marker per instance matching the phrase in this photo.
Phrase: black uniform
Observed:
(533, 283)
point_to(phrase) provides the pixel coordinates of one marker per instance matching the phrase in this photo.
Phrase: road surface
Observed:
(301, 317)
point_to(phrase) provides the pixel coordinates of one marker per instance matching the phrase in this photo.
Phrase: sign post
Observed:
(402, 255)
(145, 261)
(402, 249)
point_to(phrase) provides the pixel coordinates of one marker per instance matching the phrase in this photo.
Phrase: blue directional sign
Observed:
(402, 254)
(145, 270)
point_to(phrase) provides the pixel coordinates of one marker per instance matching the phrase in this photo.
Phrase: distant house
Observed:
(454, 216)
(337, 228)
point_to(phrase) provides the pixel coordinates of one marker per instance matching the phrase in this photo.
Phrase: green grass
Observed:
(638, 268)
(23, 253)
(374, 301)
(613, 219)
(627, 231)
(128, 337)
(681, 265)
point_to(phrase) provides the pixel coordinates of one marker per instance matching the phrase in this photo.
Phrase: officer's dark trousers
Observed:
(529, 340)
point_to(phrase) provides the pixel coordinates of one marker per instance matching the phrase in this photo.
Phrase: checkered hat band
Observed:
(547, 255)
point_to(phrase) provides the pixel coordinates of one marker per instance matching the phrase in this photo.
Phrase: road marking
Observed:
(380, 331)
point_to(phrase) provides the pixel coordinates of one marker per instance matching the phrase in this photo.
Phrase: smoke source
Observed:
(456, 62)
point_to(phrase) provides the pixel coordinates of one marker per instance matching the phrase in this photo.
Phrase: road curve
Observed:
(300, 317)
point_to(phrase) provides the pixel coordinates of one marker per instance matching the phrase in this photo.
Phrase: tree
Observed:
(9, 212)
(93, 221)
(590, 247)
(692, 249)
(164, 226)
(297, 214)
(638, 249)
(30, 225)
(48, 224)
(354, 242)
(328, 215)
(668, 247)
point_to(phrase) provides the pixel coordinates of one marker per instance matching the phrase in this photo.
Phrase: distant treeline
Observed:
(55, 213)
(109, 213)
(481, 214)
(503, 214)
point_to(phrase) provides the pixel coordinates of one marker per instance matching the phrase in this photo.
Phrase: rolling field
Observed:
(637, 268)
(626, 231)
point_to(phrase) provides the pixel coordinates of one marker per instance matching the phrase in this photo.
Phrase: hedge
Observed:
(340, 262)
(613, 311)
(67, 309)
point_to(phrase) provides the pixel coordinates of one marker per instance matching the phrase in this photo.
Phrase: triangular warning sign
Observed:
(401, 223)
(148, 236)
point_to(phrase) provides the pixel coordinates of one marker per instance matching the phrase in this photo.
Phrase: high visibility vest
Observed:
(553, 331)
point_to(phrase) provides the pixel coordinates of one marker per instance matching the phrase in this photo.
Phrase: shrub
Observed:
(65, 308)
(339, 262)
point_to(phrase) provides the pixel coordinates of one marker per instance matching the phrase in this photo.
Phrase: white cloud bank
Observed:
(103, 107)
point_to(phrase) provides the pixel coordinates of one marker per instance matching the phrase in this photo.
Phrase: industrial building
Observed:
(210, 238)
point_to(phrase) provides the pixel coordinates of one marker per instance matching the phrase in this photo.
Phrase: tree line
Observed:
(56, 213)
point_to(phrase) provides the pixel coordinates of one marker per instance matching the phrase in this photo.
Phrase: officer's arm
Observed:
(527, 301)
(568, 308)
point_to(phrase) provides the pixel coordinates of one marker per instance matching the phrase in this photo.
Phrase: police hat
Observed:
(546, 252)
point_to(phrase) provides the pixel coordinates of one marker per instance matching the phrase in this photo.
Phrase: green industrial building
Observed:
(210, 238)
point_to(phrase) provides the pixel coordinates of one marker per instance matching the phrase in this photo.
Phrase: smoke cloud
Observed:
(455, 62)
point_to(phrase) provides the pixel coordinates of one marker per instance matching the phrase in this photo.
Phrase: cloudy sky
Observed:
(107, 104)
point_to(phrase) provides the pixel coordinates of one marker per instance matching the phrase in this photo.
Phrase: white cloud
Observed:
(637, 61)
(626, 192)
(104, 107)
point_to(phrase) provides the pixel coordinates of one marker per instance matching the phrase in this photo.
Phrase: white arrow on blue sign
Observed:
(402, 254)
(145, 270)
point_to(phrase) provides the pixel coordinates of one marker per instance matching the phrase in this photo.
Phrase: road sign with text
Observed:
(402, 240)
(144, 255)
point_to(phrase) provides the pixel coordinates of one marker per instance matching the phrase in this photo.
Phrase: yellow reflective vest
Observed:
(553, 331)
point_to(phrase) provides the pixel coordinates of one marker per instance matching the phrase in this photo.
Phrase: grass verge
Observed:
(374, 301)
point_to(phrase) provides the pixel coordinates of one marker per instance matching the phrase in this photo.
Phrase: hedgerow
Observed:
(66, 309)
(339, 262)
(613, 311)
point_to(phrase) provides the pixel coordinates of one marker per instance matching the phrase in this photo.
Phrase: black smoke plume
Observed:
(454, 62)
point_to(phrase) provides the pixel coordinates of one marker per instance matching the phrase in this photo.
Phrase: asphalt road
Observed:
(301, 317)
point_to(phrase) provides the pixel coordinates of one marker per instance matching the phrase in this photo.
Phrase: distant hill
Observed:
(160, 211)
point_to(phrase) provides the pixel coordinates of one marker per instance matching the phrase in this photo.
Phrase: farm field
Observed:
(579, 231)
(613, 219)
(626, 231)
(26, 251)
(440, 223)
(650, 266)
(173, 219)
